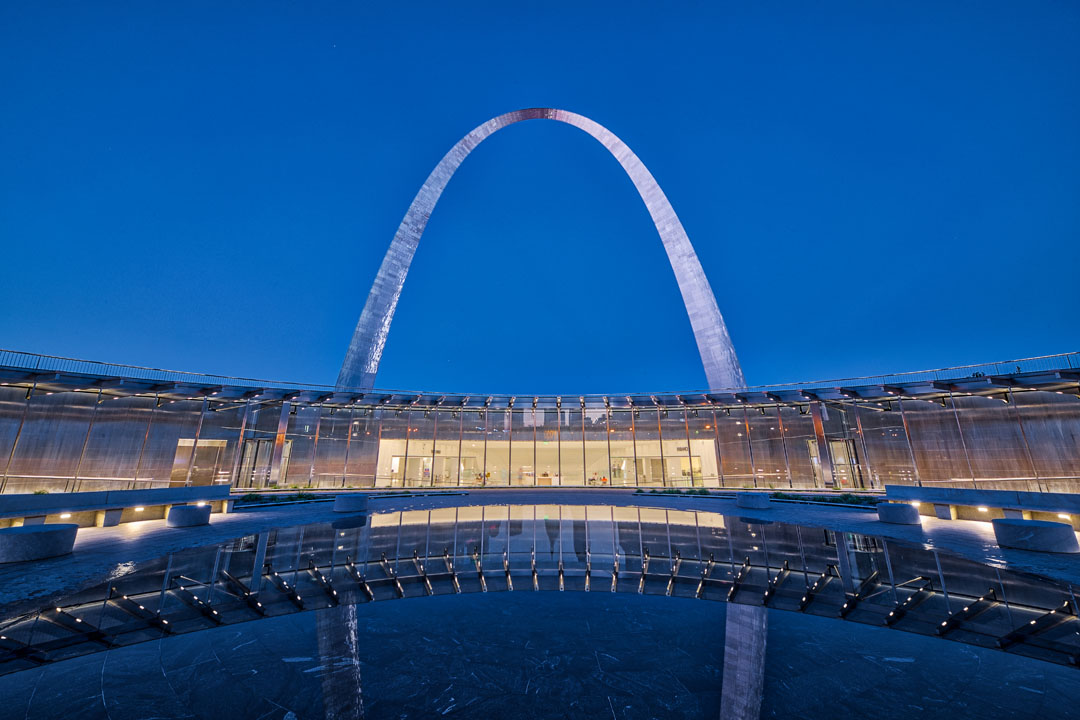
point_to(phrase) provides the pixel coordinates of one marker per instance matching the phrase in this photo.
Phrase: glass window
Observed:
(676, 448)
(447, 470)
(995, 444)
(936, 442)
(798, 440)
(362, 448)
(303, 429)
(12, 408)
(51, 442)
(650, 458)
(330, 450)
(886, 442)
(115, 443)
(597, 471)
(767, 443)
(419, 465)
(621, 434)
(257, 452)
(497, 469)
(393, 436)
(704, 452)
(571, 446)
(735, 448)
(171, 440)
(522, 450)
(547, 447)
(838, 422)
(1051, 425)
(216, 448)
(473, 434)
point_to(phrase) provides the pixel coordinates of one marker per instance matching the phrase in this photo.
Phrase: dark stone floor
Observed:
(545, 655)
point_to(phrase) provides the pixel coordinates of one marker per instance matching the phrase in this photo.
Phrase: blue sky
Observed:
(870, 187)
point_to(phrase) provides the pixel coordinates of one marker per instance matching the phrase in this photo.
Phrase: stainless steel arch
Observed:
(361, 363)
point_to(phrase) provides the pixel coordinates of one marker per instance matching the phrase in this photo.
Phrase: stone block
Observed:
(36, 542)
(352, 503)
(753, 500)
(898, 513)
(945, 512)
(1038, 535)
(188, 515)
(108, 518)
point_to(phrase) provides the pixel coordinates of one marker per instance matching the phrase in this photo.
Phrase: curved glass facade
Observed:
(68, 425)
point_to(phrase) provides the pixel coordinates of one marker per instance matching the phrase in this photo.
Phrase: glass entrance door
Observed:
(256, 460)
(845, 464)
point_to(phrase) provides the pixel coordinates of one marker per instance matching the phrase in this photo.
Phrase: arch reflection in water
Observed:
(527, 548)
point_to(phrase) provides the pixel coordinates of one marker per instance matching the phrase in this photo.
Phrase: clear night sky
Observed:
(869, 188)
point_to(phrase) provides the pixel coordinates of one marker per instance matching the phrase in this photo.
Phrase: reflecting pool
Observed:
(501, 622)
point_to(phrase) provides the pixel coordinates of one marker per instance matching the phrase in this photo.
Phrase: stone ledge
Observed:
(16, 506)
(972, 497)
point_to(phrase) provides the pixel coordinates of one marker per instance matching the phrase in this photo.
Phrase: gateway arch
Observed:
(361, 363)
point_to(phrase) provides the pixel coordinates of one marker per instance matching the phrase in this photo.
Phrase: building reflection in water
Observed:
(588, 548)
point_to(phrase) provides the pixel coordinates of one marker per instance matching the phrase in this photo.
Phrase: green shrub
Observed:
(841, 499)
(41, 492)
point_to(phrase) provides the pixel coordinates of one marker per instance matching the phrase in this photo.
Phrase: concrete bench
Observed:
(355, 503)
(36, 542)
(108, 508)
(898, 513)
(753, 500)
(986, 505)
(188, 515)
(1038, 535)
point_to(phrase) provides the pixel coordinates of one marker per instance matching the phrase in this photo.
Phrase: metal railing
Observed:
(53, 363)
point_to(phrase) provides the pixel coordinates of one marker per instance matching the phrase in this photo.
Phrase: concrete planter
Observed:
(898, 514)
(351, 503)
(188, 516)
(36, 542)
(753, 500)
(1038, 535)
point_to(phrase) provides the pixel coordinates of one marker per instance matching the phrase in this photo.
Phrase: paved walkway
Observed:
(103, 553)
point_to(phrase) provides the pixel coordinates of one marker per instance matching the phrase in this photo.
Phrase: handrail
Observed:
(56, 363)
